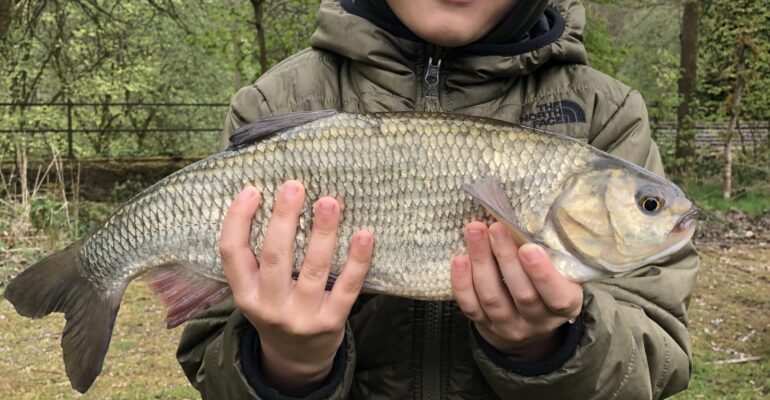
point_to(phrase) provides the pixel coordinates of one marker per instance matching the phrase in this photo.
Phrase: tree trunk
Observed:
(235, 30)
(6, 14)
(259, 24)
(733, 109)
(224, 138)
(688, 65)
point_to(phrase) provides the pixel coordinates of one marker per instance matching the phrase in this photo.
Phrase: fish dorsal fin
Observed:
(269, 126)
(490, 193)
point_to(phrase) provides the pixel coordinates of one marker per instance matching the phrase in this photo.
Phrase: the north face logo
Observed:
(558, 112)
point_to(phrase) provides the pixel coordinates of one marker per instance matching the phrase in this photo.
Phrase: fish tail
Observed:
(55, 284)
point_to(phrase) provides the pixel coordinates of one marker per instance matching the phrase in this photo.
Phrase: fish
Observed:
(412, 179)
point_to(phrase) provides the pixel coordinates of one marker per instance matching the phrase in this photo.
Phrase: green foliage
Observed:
(651, 60)
(754, 203)
(91, 215)
(605, 52)
(125, 190)
(49, 217)
(108, 52)
(638, 43)
(48, 213)
(726, 24)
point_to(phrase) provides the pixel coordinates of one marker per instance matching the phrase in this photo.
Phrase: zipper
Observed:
(436, 331)
(430, 85)
(431, 351)
(431, 80)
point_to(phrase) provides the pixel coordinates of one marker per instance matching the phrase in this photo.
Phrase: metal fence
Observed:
(710, 135)
(65, 121)
(62, 118)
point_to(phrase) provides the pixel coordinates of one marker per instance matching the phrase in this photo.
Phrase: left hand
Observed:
(514, 296)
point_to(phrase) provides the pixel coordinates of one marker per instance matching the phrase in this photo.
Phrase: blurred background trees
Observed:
(696, 62)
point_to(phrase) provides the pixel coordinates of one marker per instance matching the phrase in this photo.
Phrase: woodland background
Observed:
(100, 98)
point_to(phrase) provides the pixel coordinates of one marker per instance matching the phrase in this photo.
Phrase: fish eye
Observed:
(650, 204)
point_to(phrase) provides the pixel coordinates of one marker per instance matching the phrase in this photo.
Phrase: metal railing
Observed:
(706, 135)
(70, 127)
(711, 135)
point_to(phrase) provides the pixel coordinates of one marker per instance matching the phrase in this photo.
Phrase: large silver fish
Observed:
(414, 180)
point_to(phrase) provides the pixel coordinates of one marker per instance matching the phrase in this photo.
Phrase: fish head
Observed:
(622, 218)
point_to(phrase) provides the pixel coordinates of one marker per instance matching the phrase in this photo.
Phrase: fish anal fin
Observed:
(490, 193)
(185, 293)
(269, 126)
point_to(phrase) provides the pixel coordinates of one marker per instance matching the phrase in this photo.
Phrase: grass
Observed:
(753, 203)
(741, 381)
(730, 319)
(139, 365)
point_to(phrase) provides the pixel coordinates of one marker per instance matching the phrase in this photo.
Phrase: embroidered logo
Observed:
(558, 112)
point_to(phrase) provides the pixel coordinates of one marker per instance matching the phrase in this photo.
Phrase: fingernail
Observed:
(326, 208)
(364, 239)
(497, 232)
(530, 253)
(474, 234)
(247, 193)
(290, 188)
(460, 264)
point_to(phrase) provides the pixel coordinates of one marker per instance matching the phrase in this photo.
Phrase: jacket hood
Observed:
(347, 30)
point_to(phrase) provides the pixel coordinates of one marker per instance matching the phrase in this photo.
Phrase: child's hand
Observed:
(300, 324)
(514, 296)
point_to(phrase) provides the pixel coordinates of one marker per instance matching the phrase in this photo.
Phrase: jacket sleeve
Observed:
(248, 105)
(631, 340)
(219, 349)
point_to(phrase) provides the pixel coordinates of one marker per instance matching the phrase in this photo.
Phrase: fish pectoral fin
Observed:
(185, 293)
(490, 193)
(269, 126)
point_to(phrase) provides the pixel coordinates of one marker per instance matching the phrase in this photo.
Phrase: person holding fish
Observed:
(567, 254)
(532, 332)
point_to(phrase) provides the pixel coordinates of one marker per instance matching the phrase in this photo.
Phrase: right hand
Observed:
(300, 324)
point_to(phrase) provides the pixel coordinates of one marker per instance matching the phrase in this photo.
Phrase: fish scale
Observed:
(336, 157)
(415, 180)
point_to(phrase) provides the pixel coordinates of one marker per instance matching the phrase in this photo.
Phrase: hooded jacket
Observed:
(631, 340)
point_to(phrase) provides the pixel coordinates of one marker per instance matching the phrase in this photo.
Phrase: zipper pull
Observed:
(431, 82)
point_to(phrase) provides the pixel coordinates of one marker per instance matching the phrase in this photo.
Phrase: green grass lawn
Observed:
(708, 197)
(730, 319)
(739, 381)
(139, 365)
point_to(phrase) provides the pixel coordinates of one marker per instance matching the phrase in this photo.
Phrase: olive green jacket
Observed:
(631, 341)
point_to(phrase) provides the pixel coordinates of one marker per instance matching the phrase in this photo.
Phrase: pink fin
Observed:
(185, 293)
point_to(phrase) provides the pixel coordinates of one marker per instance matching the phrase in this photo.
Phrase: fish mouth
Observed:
(687, 220)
